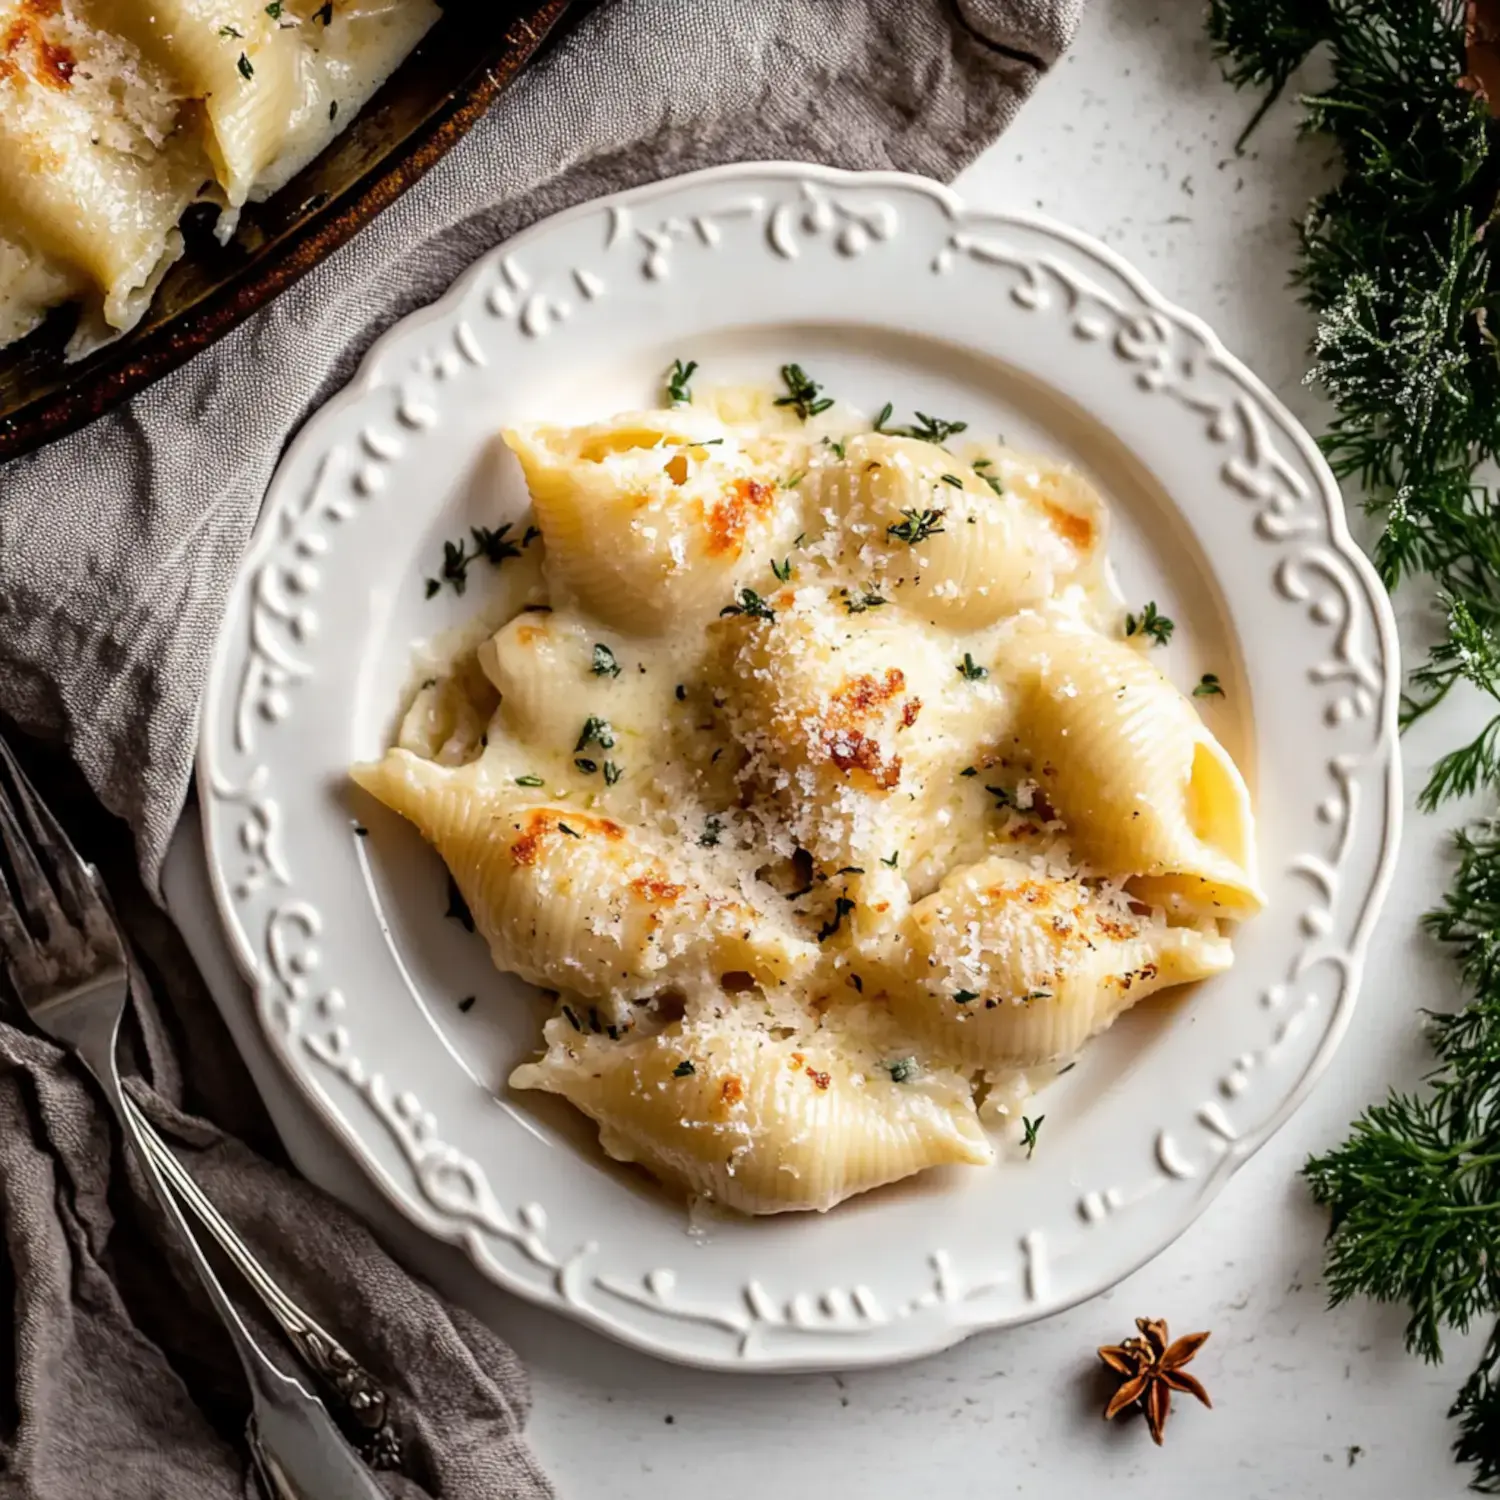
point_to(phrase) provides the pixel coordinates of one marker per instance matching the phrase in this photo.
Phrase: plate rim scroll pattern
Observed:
(775, 224)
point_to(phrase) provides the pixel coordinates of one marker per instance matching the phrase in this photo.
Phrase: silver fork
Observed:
(68, 967)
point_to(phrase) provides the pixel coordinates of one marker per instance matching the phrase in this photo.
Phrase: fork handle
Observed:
(296, 1447)
(362, 1404)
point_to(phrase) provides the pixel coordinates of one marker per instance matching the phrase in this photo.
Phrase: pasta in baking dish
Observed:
(115, 115)
(821, 775)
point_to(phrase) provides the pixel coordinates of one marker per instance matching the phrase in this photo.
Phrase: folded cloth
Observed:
(117, 548)
(121, 1382)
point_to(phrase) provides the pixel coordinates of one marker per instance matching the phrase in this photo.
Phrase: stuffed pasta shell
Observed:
(1146, 792)
(962, 542)
(729, 1112)
(1006, 966)
(653, 517)
(570, 899)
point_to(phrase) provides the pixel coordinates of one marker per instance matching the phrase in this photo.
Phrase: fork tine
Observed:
(73, 876)
(22, 958)
(33, 892)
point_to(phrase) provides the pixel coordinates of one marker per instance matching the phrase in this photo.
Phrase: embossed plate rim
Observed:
(835, 1328)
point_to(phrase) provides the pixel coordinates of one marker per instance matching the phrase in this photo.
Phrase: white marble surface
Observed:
(1132, 139)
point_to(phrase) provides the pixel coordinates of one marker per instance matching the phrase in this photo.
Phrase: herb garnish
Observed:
(573, 1020)
(1029, 1129)
(982, 467)
(467, 1003)
(969, 771)
(782, 569)
(857, 604)
(1209, 687)
(528, 781)
(842, 906)
(680, 692)
(1150, 623)
(802, 393)
(458, 908)
(493, 544)
(970, 670)
(234, 31)
(917, 527)
(712, 828)
(891, 862)
(274, 10)
(246, 67)
(750, 603)
(684, 1069)
(965, 997)
(612, 773)
(324, 13)
(1003, 796)
(902, 1069)
(837, 446)
(596, 731)
(563, 828)
(605, 664)
(678, 376)
(588, 767)
(927, 429)
(952, 479)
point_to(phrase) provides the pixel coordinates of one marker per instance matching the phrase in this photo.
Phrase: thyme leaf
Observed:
(802, 393)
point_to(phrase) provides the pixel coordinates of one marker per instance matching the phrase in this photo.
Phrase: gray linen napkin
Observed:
(117, 548)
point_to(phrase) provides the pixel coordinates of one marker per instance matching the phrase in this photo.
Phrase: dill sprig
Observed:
(1395, 262)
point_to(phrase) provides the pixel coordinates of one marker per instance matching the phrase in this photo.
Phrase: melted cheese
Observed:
(802, 770)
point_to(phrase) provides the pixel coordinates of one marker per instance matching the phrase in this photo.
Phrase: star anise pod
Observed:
(1152, 1368)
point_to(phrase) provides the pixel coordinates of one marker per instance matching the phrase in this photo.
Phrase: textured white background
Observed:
(1131, 138)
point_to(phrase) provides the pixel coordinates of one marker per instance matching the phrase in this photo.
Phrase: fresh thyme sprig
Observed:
(679, 393)
(928, 429)
(596, 731)
(802, 393)
(1152, 624)
(750, 603)
(492, 543)
(917, 527)
(1395, 261)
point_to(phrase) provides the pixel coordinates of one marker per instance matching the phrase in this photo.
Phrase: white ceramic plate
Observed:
(886, 288)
